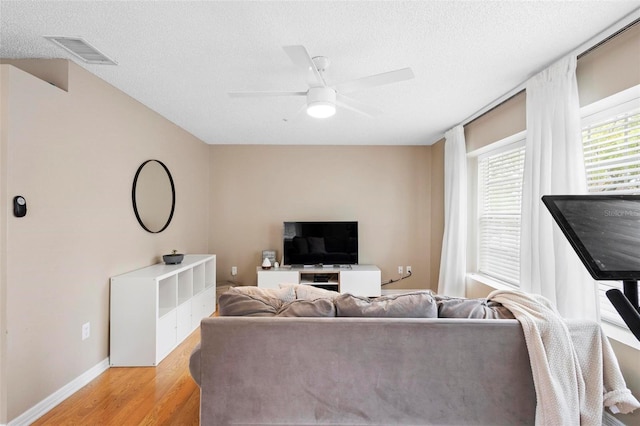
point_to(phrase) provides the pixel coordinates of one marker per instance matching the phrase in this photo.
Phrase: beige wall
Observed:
(629, 359)
(4, 210)
(386, 189)
(437, 209)
(73, 155)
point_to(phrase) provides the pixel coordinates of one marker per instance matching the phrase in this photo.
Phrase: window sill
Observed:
(620, 334)
(612, 331)
(475, 278)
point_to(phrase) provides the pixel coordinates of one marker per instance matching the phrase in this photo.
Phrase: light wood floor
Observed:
(162, 395)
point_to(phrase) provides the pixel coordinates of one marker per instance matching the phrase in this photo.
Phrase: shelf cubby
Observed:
(210, 273)
(166, 295)
(185, 286)
(198, 278)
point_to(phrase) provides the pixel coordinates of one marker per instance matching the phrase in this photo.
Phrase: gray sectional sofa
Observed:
(307, 358)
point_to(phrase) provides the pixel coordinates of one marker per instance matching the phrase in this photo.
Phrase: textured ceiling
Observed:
(181, 58)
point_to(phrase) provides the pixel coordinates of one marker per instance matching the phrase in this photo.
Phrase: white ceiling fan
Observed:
(322, 98)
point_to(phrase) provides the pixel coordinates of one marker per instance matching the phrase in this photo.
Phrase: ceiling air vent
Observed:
(82, 49)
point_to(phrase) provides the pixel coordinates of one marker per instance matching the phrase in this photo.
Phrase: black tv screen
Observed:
(604, 230)
(320, 243)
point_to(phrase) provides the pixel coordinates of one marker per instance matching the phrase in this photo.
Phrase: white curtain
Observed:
(453, 261)
(553, 166)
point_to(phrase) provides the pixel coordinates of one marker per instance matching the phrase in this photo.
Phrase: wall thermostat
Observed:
(19, 206)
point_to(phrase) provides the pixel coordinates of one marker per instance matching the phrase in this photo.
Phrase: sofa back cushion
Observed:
(308, 308)
(419, 304)
(456, 307)
(250, 301)
(309, 292)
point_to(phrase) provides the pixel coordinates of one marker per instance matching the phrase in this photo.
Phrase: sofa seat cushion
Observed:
(457, 307)
(419, 304)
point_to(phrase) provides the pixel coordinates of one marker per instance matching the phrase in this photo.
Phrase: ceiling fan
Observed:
(322, 98)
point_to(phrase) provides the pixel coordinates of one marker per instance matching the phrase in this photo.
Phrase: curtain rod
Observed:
(592, 44)
(609, 38)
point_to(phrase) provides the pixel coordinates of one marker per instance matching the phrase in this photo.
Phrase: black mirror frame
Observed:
(173, 196)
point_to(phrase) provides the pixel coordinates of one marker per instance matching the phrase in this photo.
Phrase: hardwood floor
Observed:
(162, 395)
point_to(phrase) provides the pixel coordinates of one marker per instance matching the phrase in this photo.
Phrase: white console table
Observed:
(155, 308)
(359, 280)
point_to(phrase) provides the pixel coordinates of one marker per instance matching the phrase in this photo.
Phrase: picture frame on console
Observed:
(269, 254)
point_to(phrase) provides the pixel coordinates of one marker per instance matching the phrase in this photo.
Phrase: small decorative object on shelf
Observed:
(270, 254)
(266, 263)
(173, 258)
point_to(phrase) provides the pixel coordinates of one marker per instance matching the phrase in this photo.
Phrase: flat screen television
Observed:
(320, 243)
(604, 230)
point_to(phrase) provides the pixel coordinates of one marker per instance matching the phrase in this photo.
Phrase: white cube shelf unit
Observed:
(155, 308)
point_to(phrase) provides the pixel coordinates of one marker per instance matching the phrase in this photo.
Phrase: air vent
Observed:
(82, 49)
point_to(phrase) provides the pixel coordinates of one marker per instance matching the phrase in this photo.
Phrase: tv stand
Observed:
(627, 305)
(359, 280)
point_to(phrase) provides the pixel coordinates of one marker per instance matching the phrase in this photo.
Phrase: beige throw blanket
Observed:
(575, 372)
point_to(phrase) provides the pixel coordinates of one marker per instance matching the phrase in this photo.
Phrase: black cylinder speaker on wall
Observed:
(19, 206)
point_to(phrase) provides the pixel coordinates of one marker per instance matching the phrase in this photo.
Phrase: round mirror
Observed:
(154, 196)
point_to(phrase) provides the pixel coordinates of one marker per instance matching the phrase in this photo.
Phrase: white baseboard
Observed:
(44, 406)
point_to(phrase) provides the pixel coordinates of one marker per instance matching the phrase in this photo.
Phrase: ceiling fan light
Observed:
(321, 109)
(321, 102)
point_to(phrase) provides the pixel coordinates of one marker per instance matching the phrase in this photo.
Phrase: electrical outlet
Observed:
(408, 269)
(400, 270)
(234, 270)
(86, 330)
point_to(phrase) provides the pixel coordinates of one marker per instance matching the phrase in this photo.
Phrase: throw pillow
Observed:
(308, 308)
(418, 304)
(458, 307)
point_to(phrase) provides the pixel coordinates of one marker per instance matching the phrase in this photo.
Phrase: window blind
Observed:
(612, 154)
(500, 195)
(612, 163)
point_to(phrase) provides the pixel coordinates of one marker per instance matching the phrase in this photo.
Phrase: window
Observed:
(611, 141)
(611, 138)
(500, 174)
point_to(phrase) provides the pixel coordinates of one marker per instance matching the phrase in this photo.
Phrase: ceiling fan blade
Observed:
(300, 57)
(375, 80)
(357, 106)
(297, 115)
(264, 94)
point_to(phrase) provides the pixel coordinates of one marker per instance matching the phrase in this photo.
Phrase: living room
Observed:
(71, 144)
